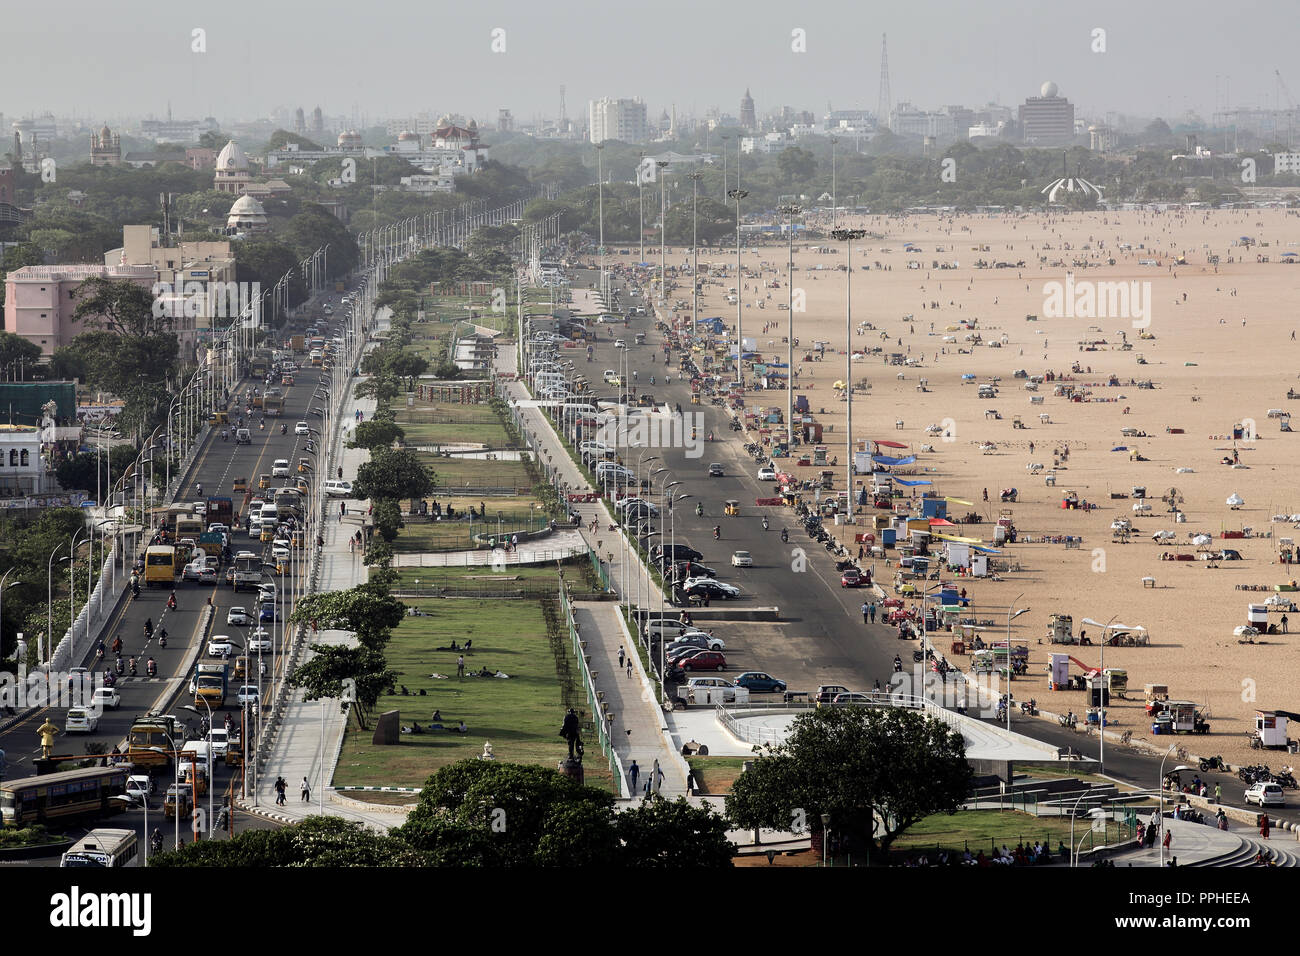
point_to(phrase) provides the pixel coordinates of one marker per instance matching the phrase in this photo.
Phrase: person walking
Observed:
(460, 666)
(343, 509)
(1284, 623)
(621, 655)
(656, 778)
(872, 608)
(306, 790)
(629, 668)
(1218, 793)
(1169, 839)
(866, 613)
(280, 787)
(632, 773)
(1263, 825)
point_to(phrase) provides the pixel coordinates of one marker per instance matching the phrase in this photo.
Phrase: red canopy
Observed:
(941, 523)
(888, 444)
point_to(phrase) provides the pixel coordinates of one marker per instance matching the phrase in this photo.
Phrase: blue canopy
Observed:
(911, 484)
(886, 460)
(1120, 448)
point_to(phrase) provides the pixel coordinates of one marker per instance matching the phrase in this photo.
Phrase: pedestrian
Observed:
(656, 777)
(866, 613)
(873, 612)
(279, 787)
(621, 655)
(629, 668)
(306, 790)
(1169, 839)
(632, 773)
(1263, 825)
(340, 471)
(460, 666)
(1284, 623)
(1218, 793)
(343, 509)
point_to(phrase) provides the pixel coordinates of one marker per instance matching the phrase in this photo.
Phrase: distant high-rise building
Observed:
(1047, 120)
(105, 148)
(299, 122)
(505, 122)
(1102, 139)
(619, 119)
(747, 118)
(1286, 163)
(317, 122)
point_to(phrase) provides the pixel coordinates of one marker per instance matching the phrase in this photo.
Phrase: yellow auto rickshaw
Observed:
(178, 794)
(268, 533)
(263, 482)
(219, 418)
(304, 466)
(296, 540)
(732, 509)
(188, 775)
(241, 485)
(695, 398)
(241, 667)
(302, 485)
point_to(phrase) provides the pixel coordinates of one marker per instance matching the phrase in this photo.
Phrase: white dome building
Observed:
(1059, 190)
(1049, 89)
(232, 172)
(246, 216)
(349, 139)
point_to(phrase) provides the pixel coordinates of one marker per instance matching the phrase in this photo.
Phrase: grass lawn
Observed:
(981, 829)
(521, 716)
(716, 774)
(436, 577)
(476, 472)
(429, 433)
(419, 535)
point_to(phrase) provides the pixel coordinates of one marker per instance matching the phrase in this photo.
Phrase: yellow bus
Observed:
(160, 565)
(68, 794)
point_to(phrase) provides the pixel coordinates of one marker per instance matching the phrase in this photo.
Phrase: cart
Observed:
(732, 508)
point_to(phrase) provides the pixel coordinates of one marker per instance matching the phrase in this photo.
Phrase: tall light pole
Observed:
(49, 603)
(1179, 769)
(1011, 616)
(600, 198)
(848, 235)
(725, 192)
(1105, 691)
(661, 165)
(790, 211)
(640, 203)
(834, 204)
(695, 253)
(739, 194)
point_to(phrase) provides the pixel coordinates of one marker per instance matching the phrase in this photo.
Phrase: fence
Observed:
(593, 699)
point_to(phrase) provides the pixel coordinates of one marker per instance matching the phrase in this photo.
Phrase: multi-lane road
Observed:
(215, 468)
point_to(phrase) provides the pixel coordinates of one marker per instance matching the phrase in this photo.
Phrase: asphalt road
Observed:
(216, 467)
(821, 638)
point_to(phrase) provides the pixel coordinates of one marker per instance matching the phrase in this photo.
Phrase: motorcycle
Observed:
(717, 532)
(1211, 763)
(699, 510)
(198, 488)
(765, 524)
(132, 666)
(284, 429)
(1029, 707)
(162, 638)
(156, 842)
(151, 668)
(119, 667)
(785, 536)
(898, 664)
(109, 679)
(171, 602)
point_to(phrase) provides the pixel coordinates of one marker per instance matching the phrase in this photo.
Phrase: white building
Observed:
(769, 143)
(22, 471)
(906, 120)
(620, 119)
(1286, 162)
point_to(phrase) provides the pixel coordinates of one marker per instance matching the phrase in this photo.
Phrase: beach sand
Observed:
(1224, 350)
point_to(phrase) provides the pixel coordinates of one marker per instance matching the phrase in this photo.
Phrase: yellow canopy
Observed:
(958, 538)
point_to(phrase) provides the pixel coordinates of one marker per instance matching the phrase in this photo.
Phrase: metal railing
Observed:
(593, 698)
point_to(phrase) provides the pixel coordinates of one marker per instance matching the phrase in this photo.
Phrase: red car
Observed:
(705, 661)
(852, 578)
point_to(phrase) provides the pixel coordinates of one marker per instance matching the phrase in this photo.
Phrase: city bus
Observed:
(160, 566)
(103, 848)
(66, 795)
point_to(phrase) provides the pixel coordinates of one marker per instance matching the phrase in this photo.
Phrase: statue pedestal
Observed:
(44, 766)
(571, 768)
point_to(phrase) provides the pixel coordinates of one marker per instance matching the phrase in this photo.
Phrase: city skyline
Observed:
(940, 54)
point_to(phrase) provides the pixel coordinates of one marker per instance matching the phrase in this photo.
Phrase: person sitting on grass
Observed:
(462, 729)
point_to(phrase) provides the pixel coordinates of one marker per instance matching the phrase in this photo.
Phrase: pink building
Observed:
(40, 300)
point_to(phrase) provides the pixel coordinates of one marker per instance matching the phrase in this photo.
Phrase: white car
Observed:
(741, 559)
(620, 344)
(280, 548)
(259, 640)
(302, 428)
(239, 617)
(726, 687)
(247, 694)
(767, 473)
(266, 591)
(201, 508)
(280, 469)
(105, 698)
(219, 739)
(219, 645)
(337, 488)
(138, 788)
(1266, 795)
(80, 721)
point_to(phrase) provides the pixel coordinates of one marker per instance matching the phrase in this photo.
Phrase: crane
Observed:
(1290, 105)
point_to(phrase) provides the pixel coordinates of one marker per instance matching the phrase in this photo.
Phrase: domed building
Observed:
(408, 141)
(349, 139)
(1060, 190)
(105, 148)
(1048, 119)
(246, 216)
(233, 174)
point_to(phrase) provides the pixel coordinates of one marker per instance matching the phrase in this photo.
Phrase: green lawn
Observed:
(981, 829)
(422, 535)
(716, 774)
(476, 472)
(521, 716)
(426, 433)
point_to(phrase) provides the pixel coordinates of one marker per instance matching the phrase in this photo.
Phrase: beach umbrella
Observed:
(1235, 500)
(1201, 540)
(1244, 630)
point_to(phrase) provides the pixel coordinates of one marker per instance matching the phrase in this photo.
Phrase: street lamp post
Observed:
(834, 202)
(1179, 769)
(790, 210)
(600, 199)
(739, 194)
(848, 235)
(661, 165)
(1011, 616)
(695, 252)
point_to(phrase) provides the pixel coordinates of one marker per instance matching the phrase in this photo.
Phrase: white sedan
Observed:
(220, 646)
(260, 640)
(280, 548)
(238, 617)
(302, 428)
(741, 559)
(767, 473)
(620, 344)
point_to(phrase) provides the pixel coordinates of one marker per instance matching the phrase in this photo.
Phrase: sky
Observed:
(395, 58)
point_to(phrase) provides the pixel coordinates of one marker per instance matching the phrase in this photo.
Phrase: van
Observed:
(657, 628)
(196, 751)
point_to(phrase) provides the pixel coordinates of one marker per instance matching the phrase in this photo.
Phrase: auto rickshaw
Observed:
(179, 798)
(304, 466)
(219, 418)
(240, 485)
(241, 667)
(296, 540)
(732, 508)
(302, 485)
(695, 398)
(190, 773)
(235, 754)
(263, 482)
(268, 533)
(286, 380)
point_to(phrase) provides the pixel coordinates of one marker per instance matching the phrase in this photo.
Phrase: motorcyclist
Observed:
(717, 532)
(171, 601)
(699, 509)
(785, 536)
(156, 841)
(898, 663)
(284, 428)
(151, 667)
(764, 522)
(131, 664)
(162, 637)
(148, 627)
(119, 666)
(198, 487)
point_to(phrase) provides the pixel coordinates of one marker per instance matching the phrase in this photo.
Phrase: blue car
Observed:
(761, 683)
(267, 614)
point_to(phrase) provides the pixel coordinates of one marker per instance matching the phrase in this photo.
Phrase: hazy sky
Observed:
(398, 57)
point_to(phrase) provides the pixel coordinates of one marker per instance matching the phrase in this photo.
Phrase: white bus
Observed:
(103, 848)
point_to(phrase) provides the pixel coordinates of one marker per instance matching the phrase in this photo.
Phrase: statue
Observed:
(570, 731)
(48, 732)
(487, 753)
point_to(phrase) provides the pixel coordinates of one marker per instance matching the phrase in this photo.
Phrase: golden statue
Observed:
(48, 732)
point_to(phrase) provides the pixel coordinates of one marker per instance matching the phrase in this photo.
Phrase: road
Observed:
(821, 638)
(216, 467)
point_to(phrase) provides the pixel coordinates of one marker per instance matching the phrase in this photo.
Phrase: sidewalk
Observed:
(632, 702)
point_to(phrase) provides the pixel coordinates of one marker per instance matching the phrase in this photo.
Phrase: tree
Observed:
(376, 434)
(393, 474)
(876, 772)
(342, 672)
(16, 352)
(796, 165)
(674, 834)
(318, 841)
(382, 388)
(372, 616)
(119, 306)
(388, 518)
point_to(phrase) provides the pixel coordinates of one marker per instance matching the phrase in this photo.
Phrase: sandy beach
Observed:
(1223, 351)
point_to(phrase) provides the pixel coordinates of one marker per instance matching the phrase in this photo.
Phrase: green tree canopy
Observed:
(376, 433)
(393, 474)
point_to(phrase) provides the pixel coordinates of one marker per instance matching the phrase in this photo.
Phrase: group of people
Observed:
(281, 786)
(1022, 855)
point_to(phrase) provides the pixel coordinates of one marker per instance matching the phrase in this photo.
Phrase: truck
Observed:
(209, 684)
(221, 510)
(298, 343)
(273, 405)
(212, 542)
(248, 571)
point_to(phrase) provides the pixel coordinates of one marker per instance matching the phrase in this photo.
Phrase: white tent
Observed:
(1201, 540)
(1235, 500)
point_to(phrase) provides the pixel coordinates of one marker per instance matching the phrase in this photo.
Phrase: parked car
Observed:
(337, 488)
(726, 689)
(711, 587)
(828, 692)
(767, 473)
(853, 697)
(1266, 795)
(761, 683)
(851, 578)
(704, 661)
